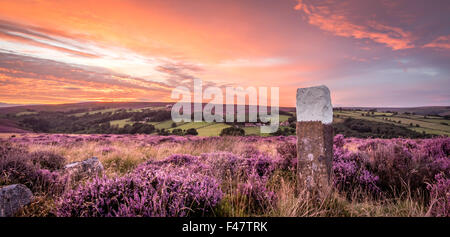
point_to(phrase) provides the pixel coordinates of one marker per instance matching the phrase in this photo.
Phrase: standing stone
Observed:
(12, 198)
(83, 169)
(314, 138)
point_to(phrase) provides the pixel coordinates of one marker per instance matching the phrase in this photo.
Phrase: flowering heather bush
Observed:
(350, 172)
(48, 160)
(396, 167)
(251, 175)
(390, 165)
(18, 166)
(193, 163)
(196, 193)
(151, 140)
(148, 191)
(288, 153)
(179, 160)
(250, 151)
(257, 195)
(260, 164)
(251, 172)
(226, 163)
(222, 165)
(339, 141)
(440, 196)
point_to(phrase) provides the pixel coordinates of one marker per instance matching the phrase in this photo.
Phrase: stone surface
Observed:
(315, 155)
(12, 198)
(82, 169)
(314, 104)
(314, 138)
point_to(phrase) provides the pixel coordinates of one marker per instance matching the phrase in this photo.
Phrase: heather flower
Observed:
(403, 163)
(179, 160)
(17, 166)
(339, 141)
(260, 164)
(440, 196)
(350, 172)
(148, 191)
(222, 165)
(255, 191)
(288, 154)
(250, 151)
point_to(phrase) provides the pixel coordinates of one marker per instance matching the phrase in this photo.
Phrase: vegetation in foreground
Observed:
(226, 176)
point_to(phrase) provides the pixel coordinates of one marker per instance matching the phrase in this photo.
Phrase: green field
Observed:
(429, 124)
(113, 110)
(283, 118)
(196, 125)
(407, 118)
(165, 124)
(121, 123)
(255, 131)
(96, 111)
(203, 128)
(213, 129)
(146, 108)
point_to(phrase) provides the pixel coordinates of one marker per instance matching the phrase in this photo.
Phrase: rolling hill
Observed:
(118, 117)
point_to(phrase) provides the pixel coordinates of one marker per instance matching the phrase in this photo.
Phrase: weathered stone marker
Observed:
(314, 137)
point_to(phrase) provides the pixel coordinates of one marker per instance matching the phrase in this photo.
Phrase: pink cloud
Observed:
(335, 18)
(442, 42)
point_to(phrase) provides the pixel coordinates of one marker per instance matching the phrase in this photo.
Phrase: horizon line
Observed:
(82, 102)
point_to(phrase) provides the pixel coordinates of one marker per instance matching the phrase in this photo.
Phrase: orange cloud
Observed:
(150, 28)
(32, 80)
(26, 90)
(442, 42)
(24, 40)
(334, 18)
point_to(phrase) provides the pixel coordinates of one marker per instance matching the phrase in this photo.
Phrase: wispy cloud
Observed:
(40, 37)
(442, 42)
(342, 19)
(41, 78)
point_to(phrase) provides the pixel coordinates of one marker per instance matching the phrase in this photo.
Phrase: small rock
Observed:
(314, 104)
(12, 198)
(86, 168)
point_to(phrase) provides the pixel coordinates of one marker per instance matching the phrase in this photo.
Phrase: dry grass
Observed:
(292, 203)
(124, 156)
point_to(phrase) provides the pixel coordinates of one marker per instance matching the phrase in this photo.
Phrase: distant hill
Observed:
(80, 106)
(9, 126)
(424, 110)
(11, 108)
(155, 117)
(92, 106)
(3, 105)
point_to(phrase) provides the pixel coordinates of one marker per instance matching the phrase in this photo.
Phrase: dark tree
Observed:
(178, 131)
(191, 131)
(232, 131)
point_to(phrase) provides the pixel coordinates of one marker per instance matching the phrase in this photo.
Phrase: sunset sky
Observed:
(369, 53)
